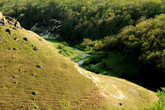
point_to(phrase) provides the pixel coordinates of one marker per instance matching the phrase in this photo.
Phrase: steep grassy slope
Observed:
(24, 70)
(34, 76)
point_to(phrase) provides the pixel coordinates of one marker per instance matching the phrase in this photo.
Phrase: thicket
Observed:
(80, 19)
(146, 42)
(160, 104)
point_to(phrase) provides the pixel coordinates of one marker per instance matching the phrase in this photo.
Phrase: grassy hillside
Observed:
(97, 19)
(34, 76)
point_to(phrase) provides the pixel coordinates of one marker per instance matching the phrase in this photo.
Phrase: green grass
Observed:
(66, 50)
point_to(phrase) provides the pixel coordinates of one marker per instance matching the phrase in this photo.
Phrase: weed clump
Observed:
(38, 66)
(34, 92)
(15, 38)
(8, 30)
(35, 49)
(25, 39)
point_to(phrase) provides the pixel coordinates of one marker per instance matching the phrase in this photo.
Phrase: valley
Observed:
(82, 55)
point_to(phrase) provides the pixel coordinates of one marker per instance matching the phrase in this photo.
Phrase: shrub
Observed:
(160, 104)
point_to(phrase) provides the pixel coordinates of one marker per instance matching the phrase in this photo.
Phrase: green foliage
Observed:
(146, 39)
(80, 18)
(160, 104)
(64, 49)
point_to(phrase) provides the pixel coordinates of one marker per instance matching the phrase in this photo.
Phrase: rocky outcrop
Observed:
(49, 31)
(6, 20)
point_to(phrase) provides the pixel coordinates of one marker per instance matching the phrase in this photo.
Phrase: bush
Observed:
(160, 104)
(146, 39)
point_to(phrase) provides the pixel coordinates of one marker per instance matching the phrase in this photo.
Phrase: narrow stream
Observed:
(48, 35)
(82, 59)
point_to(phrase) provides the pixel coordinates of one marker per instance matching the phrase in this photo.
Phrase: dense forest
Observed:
(81, 18)
(126, 38)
